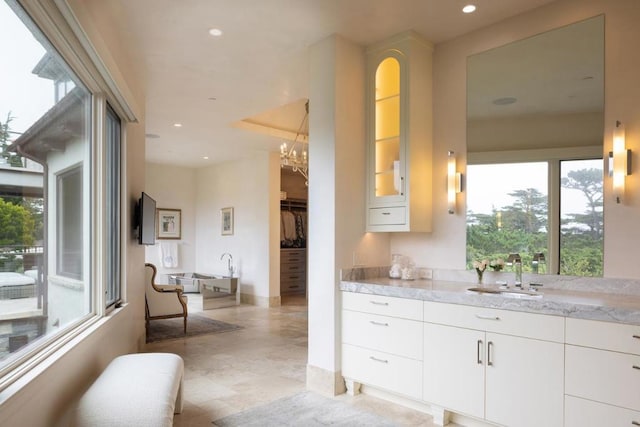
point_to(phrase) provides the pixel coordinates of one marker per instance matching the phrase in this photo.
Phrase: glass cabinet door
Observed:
(388, 173)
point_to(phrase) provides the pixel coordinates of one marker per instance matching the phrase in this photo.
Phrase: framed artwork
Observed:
(226, 217)
(168, 223)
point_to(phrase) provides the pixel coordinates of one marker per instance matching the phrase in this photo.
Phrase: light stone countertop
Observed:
(606, 307)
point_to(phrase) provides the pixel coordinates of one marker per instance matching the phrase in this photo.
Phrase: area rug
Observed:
(166, 329)
(304, 409)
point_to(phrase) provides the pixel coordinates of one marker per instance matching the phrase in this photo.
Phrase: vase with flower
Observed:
(480, 267)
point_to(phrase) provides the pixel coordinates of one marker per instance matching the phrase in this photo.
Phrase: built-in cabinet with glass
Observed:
(399, 134)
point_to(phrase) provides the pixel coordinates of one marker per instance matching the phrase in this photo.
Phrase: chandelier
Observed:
(296, 157)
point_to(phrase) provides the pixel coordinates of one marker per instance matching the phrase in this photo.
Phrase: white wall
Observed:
(250, 186)
(445, 247)
(174, 187)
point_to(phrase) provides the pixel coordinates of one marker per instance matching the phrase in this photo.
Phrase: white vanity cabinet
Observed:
(502, 366)
(602, 374)
(399, 134)
(382, 343)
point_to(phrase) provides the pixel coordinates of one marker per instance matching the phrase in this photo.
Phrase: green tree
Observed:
(11, 158)
(16, 225)
(589, 183)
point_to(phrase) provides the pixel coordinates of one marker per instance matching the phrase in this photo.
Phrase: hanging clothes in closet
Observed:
(293, 229)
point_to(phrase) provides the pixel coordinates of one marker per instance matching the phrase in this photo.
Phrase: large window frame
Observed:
(57, 22)
(553, 157)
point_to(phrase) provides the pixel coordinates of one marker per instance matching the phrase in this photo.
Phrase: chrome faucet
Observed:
(516, 261)
(229, 262)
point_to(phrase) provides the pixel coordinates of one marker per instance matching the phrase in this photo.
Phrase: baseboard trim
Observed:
(260, 301)
(325, 382)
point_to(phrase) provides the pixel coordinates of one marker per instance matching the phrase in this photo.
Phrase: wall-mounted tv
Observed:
(146, 220)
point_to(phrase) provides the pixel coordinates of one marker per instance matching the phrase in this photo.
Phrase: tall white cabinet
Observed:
(399, 134)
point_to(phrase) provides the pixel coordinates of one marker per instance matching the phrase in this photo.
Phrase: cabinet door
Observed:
(524, 381)
(387, 164)
(454, 368)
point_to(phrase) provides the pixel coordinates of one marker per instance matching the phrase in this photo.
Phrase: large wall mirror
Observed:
(535, 125)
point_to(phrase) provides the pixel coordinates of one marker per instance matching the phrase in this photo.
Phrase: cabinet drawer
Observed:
(603, 376)
(387, 216)
(386, 306)
(604, 335)
(292, 288)
(586, 413)
(388, 334)
(527, 325)
(292, 268)
(293, 255)
(394, 373)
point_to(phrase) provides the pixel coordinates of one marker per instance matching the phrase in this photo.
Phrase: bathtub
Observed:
(217, 291)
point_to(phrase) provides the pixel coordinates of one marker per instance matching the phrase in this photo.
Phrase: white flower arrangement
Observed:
(497, 265)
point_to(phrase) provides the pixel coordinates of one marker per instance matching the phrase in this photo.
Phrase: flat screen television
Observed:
(146, 220)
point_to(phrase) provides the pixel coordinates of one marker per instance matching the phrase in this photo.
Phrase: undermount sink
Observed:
(514, 293)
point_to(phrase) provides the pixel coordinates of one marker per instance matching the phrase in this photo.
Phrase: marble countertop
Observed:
(560, 302)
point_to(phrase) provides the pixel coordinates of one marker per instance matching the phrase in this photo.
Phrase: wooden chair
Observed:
(163, 301)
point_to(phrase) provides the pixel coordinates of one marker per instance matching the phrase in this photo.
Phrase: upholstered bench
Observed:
(143, 389)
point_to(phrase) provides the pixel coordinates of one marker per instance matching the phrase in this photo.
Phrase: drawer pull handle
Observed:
(378, 303)
(636, 367)
(295, 286)
(373, 322)
(487, 317)
(386, 213)
(637, 337)
(375, 359)
(479, 350)
(635, 423)
(489, 346)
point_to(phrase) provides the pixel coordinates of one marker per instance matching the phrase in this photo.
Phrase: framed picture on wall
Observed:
(168, 223)
(226, 217)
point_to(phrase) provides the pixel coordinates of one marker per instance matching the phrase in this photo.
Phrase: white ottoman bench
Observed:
(142, 389)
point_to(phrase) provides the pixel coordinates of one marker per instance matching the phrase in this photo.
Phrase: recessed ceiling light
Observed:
(177, 125)
(215, 32)
(206, 157)
(470, 8)
(504, 101)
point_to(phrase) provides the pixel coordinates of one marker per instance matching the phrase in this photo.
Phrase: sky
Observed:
(488, 186)
(22, 93)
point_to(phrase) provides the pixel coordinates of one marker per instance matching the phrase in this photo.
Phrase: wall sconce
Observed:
(454, 182)
(619, 162)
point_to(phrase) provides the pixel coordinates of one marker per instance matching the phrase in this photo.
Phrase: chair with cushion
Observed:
(163, 301)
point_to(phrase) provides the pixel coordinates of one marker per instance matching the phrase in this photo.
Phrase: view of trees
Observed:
(21, 218)
(522, 228)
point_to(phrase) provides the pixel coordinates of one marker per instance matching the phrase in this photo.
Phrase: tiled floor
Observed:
(266, 360)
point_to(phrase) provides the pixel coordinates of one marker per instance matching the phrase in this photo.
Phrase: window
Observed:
(511, 206)
(581, 218)
(49, 283)
(69, 228)
(506, 211)
(112, 152)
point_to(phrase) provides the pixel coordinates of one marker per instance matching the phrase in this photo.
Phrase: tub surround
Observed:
(609, 300)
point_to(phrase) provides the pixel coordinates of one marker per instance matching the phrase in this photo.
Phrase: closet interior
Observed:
(293, 234)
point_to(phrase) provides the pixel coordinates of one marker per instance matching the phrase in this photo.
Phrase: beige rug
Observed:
(166, 329)
(304, 409)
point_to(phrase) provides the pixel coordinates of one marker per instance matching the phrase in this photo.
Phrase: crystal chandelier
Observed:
(296, 157)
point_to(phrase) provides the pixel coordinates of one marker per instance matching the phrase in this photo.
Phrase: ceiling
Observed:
(208, 84)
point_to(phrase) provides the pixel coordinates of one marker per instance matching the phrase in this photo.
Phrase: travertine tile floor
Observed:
(266, 360)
